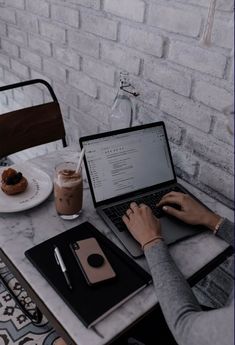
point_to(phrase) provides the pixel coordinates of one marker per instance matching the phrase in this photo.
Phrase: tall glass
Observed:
(68, 190)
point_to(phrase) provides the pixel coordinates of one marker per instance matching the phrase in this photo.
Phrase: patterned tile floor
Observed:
(15, 327)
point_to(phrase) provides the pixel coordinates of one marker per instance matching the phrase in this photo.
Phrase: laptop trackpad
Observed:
(174, 229)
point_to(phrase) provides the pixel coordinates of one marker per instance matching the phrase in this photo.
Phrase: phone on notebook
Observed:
(92, 261)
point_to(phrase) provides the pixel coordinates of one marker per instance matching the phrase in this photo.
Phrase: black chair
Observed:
(32, 126)
(22, 129)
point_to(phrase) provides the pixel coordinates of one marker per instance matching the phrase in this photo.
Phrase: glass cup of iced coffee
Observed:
(68, 190)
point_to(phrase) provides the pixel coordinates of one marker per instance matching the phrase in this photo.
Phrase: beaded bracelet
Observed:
(216, 229)
(153, 239)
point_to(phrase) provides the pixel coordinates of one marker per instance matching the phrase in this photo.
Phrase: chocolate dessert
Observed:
(13, 182)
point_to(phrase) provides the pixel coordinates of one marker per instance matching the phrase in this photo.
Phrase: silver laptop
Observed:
(132, 164)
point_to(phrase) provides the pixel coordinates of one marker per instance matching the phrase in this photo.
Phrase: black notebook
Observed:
(89, 303)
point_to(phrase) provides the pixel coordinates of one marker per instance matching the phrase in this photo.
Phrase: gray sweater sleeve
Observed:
(187, 322)
(226, 232)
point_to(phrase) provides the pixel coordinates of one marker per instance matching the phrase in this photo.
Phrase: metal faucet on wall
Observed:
(122, 110)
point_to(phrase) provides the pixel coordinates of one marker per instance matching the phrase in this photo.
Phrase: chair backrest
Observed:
(31, 126)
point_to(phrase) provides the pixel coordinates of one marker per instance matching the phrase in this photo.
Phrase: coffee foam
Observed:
(68, 178)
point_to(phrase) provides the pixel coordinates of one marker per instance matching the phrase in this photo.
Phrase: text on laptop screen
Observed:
(127, 162)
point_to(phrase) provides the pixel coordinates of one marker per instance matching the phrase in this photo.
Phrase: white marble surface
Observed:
(21, 231)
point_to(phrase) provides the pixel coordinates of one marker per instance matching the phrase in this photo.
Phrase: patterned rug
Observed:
(15, 327)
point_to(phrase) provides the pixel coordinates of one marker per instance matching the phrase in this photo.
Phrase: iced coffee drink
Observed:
(68, 191)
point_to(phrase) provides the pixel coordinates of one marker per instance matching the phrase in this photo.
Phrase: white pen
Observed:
(61, 263)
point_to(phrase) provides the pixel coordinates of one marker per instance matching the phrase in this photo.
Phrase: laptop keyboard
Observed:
(115, 213)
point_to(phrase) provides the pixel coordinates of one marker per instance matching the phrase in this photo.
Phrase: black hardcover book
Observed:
(90, 303)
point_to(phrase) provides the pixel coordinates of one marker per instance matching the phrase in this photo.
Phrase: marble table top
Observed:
(21, 231)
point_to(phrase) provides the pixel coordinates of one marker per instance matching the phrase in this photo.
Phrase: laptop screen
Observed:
(127, 162)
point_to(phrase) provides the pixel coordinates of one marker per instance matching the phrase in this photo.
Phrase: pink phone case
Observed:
(92, 261)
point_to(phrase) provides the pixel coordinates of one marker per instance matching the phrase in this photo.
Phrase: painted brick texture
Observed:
(80, 46)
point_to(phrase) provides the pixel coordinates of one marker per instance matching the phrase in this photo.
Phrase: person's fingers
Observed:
(128, 212)
(167, 196)
(172, 199)
(125, 219)
(172, 211)
(134, 206)
(143, 205)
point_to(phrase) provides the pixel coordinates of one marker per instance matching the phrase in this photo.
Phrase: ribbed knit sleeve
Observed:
(187, 322)
(226, 231)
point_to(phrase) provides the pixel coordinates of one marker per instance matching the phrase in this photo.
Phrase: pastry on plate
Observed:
(13, 182)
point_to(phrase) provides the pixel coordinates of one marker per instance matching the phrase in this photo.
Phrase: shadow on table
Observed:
(151, 330)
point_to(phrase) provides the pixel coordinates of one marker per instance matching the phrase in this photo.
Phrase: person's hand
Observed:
(141, 223)
(191, 211)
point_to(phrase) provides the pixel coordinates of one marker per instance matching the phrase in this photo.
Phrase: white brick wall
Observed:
(65, 15)
(99, 70)
(52, 32)
(27, 21)
(16, 35)
(211, 177)
(223, 33)
(121, 57)
(80, 46)
(197, 58)
(7, 15)
(167, 77)
(131, 9)
(207, 147)
(84, 43)
(180, 21)
(99, 25)
(87, 3)
(186, 110)
(39, 45)
(20, 69)
(56, 71)
(146, 41)
(9, 48)
(213, 96)
(4, 61)
(67, 56)
(16, 3)
(82, 82)
(3, 29)
(39, 7)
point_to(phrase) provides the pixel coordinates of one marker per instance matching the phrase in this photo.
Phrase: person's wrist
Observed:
(148, 237)
(152, 243)
(211, 221)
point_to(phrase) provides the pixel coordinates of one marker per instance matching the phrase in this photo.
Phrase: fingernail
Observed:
(164, 208)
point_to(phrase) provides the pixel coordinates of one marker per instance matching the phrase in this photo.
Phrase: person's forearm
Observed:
(187, 322)
(173, 292)
(226, 231)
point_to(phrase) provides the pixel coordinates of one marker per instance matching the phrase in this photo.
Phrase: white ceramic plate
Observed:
(38, 189)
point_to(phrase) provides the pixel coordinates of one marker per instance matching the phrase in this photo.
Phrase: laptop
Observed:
(133, 164)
